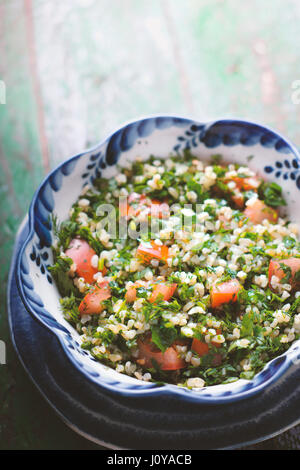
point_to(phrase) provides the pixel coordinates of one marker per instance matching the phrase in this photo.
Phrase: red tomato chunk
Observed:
(81, 253)
(276, 270)
(224, 293)
(149, 354)
(259, 211)
(92, 302)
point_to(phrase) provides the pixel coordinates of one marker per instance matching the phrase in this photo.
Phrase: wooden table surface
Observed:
(74, 70)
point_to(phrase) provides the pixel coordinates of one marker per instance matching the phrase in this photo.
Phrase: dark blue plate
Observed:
(134, 423)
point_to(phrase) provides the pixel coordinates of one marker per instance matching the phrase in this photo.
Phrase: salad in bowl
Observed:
(166, 260)
(204, 288)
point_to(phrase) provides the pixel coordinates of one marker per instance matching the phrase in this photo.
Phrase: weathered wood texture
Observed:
(76, 69)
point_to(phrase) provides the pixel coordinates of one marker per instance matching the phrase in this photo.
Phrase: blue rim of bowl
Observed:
(249, 388)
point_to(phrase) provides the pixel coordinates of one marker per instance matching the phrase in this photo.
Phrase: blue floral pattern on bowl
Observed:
(268, 153)
(286, 169)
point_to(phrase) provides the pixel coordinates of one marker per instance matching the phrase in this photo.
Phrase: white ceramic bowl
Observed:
(273, 157)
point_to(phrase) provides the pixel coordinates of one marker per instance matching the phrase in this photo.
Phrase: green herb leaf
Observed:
(287, 273)
(163, 337)
(59, 272)
(247, 325)
(271, 194)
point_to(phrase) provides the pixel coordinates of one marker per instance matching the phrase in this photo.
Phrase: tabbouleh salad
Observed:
(208, 293)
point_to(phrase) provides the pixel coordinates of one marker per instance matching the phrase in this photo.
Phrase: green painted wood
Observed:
(23, 412)
(77, 69)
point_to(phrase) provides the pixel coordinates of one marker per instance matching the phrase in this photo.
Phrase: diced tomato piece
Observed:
(81, 254)
(276, 270)
(131, 207)
(92, 302)
(163, 291)
(149, 354)
(260, 211)
(202, 348)
(136, 204)
(238, 199)
(130, 295)
(123, 208)
(246, 184)
(159, 209)
(149, 250)
(242, 184)
(224, 292)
